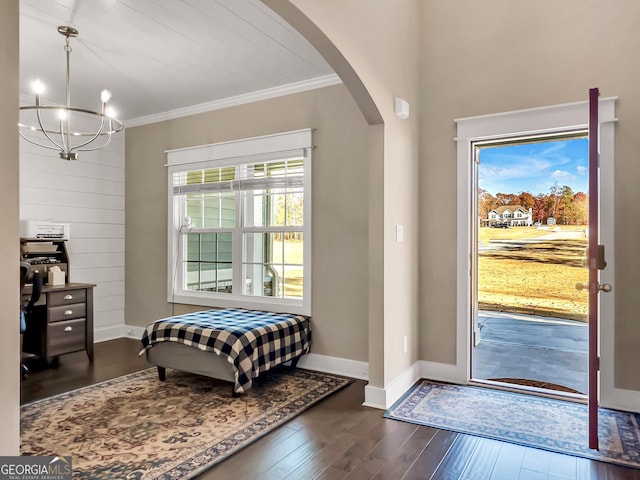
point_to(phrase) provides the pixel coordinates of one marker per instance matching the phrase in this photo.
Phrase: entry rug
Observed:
(136, 427)
(528, 420)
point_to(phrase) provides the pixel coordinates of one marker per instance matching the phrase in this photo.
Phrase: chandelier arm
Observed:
(65, 139)
(106, 142)
(46, 134)
(100, 130)
(37, 143)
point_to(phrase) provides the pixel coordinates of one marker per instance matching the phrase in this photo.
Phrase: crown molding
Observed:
(297, 87)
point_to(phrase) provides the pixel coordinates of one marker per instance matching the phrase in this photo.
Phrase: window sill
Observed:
(251, 303)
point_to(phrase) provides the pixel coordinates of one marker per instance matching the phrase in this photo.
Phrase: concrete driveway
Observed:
(515, 243)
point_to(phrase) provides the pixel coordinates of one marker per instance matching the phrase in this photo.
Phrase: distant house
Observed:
(513, 215)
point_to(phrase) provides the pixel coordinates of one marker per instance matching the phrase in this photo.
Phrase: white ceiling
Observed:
(162, 55)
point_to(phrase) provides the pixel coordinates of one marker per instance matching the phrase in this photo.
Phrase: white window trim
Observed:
(538, 121)
(249, 150)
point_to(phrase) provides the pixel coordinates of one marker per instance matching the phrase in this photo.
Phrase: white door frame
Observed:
(538, 121)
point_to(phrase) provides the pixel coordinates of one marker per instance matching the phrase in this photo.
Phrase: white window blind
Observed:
(253, 176)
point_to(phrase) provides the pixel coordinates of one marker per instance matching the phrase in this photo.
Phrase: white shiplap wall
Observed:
(87, 193)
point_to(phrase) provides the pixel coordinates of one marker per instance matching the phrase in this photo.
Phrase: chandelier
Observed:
(52, 126)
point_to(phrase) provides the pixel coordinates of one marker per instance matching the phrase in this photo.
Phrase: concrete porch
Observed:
(530, 347)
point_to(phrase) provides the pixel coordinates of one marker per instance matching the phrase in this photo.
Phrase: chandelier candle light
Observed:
(58, 132)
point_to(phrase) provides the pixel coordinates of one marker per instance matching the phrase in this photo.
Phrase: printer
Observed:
(44, 230)
(43, 245)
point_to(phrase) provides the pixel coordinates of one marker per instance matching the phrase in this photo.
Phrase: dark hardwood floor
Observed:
(340, 439)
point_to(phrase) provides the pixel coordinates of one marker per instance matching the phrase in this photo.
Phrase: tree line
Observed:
(562, 203)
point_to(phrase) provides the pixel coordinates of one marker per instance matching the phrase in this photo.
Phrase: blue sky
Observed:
(534, 167)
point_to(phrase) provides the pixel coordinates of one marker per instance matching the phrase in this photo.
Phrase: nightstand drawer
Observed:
(66, 337)
(67, 312)
(67, 297)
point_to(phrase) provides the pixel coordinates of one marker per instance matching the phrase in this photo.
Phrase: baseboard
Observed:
(616, 399)
(442, 372)
(383, 398)
(131, 331)
(312, 361)
(621, 399)
(375, 397)
(336, 365)
(102, 334)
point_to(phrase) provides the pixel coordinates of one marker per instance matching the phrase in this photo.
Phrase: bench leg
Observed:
(162, 374)
(294, 362)
(235, 394)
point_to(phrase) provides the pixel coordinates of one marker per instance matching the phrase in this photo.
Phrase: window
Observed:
(239, 223)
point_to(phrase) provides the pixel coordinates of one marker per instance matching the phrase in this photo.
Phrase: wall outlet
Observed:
(405, 344)
(399, 233)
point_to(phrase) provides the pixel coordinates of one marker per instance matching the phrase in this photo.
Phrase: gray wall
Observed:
(340, 208)
(380, 41)
(487, 57)
(10, 239)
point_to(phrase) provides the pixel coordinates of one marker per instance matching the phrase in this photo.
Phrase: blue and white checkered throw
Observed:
(251, 341)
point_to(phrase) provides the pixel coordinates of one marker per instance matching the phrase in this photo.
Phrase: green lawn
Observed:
(537, 278)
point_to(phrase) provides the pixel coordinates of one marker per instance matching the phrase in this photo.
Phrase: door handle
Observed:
(68, 329)
(602, 287)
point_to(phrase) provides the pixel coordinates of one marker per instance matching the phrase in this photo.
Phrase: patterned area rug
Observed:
(539, 422)
(137, 427)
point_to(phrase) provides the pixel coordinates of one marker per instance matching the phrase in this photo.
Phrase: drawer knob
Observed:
(68, 312)
(68, 329)
(68, 297)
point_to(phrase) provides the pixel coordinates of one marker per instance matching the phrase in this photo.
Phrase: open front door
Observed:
(596, 262)
(594, 359)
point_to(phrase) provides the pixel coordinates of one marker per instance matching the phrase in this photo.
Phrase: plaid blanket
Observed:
(251, 341)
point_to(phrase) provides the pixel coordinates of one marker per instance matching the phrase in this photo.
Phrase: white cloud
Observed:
(582, 170)
(560, 174)
(513, 167)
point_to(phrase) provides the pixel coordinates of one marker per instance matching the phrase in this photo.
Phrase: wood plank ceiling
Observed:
(161, 55)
